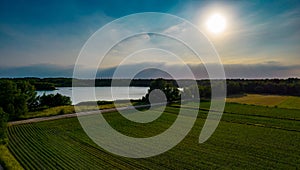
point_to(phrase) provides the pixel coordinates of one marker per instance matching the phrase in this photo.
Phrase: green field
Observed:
(289, 102)
(61, 110)
(248, 137)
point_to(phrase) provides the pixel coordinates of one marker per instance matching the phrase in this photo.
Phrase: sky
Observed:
(44, 38)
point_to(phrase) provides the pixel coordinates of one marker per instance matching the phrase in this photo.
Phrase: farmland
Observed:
(289, 102)
(247, 137)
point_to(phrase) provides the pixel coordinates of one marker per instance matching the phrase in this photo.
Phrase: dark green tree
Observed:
(3, 122)
(170, 90)
(52, 100)
(13, 101)
(233, 88)
(190, 93)
(29, 92)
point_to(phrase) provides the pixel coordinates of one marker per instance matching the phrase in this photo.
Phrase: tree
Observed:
(12, 100)
(44, 86)
(171, 91)
(234, 88)
(190, 93)
(61, 100)
(29, 93)
(52, 100)
(205, 91)
(3, 122)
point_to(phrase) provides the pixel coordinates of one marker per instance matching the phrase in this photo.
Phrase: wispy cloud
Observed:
(258, 32)
(271, 69)
(37, 70)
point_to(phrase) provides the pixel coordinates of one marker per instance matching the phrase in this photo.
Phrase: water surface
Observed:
(101, 93)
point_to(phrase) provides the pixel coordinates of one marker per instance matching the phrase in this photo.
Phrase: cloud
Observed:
(264, 70)
(269, 69)
(37, 70)
(261, 71)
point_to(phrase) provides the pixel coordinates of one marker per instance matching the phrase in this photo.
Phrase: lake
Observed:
(101, 93)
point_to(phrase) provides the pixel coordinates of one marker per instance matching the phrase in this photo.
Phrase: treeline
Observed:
(203, 88)
(44, 83)
(289, 86)
(52, 83)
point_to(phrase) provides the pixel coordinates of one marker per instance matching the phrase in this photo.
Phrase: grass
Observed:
(291, 103)
(61, 110)
(248, 137)
(288, 102)
(7, 160)
(288, 119)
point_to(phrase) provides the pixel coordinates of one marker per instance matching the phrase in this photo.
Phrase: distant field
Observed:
(248, 137)
(291, 102)
(288, 102)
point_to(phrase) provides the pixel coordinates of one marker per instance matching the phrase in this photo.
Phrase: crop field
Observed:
(288, 102)
(248, 137)
(291, 102)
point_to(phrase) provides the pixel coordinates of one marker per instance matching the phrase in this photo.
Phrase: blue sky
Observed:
(44, 38)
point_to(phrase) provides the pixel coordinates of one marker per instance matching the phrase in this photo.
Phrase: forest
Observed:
(290, 86)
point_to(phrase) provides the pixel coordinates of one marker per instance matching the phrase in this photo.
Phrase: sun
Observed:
(216, 23)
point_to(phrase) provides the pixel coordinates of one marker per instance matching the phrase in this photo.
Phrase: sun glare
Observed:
(216, 23)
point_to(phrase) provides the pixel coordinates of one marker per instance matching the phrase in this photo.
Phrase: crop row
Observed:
(62, 144)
